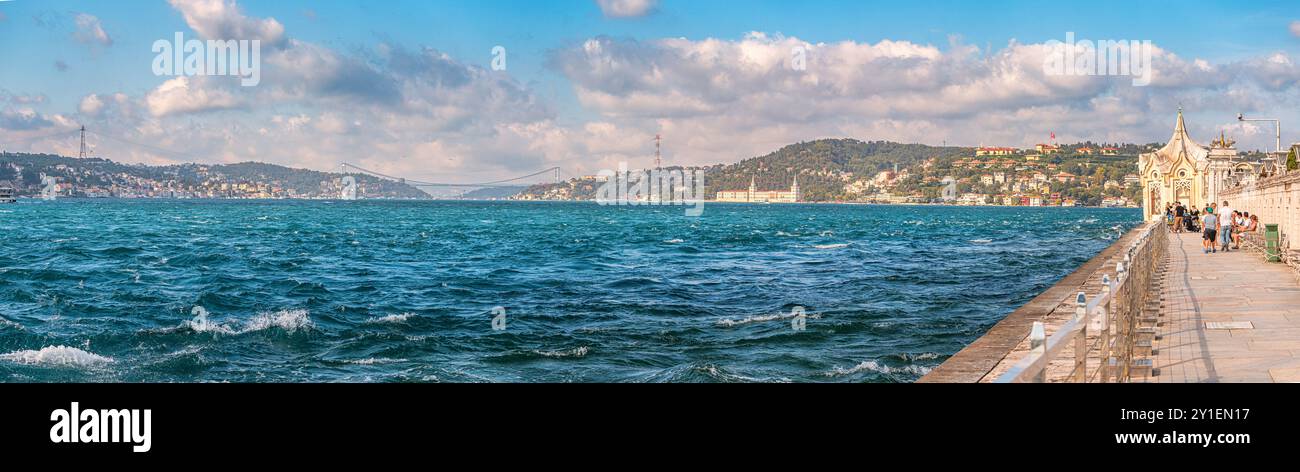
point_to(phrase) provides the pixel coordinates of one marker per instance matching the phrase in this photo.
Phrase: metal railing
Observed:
(1118, 308)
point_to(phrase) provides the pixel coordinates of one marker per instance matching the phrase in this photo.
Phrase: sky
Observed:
(411, 87)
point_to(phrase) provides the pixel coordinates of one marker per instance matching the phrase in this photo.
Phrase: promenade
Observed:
(1226, 317)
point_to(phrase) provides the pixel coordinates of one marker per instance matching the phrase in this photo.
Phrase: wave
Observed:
(674, 241)
(762, 318)
(57, 356)
(981, 241)
(873, 366)
(831, 246)
(575, 352)
(288, 320)
(391, 319)
(374, 360)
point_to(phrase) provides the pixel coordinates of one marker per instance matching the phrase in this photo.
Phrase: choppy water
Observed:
(105, 290)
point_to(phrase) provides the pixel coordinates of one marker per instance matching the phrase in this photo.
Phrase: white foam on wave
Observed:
(831, 246)
(391, 319)
(374, 360)
(873, 366)
(57, 356)
(981, 241)
(674, 241)
(288, 320)
(762, 318)
(575, 352)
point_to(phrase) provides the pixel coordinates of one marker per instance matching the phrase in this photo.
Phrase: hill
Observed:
(97, 177)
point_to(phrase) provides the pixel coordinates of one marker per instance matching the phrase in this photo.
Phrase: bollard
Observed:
(1038, 347)
(1272, 243)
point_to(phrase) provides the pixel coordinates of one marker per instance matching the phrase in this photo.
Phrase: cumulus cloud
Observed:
(727, 99)
(627, 8)
(90, 31)
(188, 95)
(422, 113)
(224, 20)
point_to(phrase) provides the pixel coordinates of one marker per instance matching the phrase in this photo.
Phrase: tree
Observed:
(1291, 163)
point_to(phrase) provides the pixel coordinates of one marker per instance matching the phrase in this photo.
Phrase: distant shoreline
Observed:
(157, 199)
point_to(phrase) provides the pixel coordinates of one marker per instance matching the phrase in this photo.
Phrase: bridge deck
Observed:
(1234, 287)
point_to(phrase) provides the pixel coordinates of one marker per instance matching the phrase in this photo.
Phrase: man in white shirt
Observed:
(1225, 225)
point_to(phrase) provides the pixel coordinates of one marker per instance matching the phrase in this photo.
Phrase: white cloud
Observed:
(627, 8)
(188, 95)
(1295, 28)
(421, 113)
(90, 31)
(222, 19)
(91, 105)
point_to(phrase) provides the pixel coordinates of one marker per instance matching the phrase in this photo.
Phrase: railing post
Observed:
(1108, 298)
(1038, 347)
(1081, 341)
(1121, 304)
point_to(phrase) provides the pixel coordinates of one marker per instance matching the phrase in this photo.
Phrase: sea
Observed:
(105, 290)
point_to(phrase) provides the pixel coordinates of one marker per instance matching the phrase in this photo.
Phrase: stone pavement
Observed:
(1227, 317)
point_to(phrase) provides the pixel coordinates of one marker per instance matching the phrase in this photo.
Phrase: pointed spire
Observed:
(1180, 127)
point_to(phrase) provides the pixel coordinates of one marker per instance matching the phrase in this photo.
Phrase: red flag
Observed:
(1053, 135)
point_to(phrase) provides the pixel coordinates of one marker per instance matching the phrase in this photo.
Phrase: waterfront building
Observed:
(1176, 173)
(7, 193)
(1047, 148)
(753, 195)
(995, 151)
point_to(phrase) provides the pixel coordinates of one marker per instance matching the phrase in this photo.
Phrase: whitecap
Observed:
(374, 360)
(575, 352)
(873, 366)
(674, 241)
(831, 246)
(288, 320)
(57, 356)
(762, 318)
(391, 319)
(981, 241)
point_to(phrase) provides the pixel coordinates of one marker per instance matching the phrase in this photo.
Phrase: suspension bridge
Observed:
(344, 168)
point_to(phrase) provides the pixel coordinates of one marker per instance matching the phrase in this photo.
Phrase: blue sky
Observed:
(561, 112)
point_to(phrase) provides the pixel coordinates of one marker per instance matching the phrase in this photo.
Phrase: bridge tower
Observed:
(658, 156)
(83, 141)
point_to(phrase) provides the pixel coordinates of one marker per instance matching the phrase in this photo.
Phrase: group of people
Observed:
(1221, 227)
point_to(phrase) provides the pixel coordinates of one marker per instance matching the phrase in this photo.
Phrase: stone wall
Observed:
(1276, 200)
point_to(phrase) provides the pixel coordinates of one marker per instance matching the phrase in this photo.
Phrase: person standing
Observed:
(1211, 224)
(1225, 225)
(1194, 220)
(1179, 213)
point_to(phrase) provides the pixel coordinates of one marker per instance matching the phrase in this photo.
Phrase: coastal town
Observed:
(1048, 174)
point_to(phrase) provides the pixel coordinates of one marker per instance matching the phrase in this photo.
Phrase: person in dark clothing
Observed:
(1179, 213)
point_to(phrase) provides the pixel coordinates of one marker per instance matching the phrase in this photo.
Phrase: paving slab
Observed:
(1227, 317)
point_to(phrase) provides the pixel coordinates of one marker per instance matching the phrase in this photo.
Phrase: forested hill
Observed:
(825, 166)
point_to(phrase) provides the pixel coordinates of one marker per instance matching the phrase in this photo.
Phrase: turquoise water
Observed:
(370, 291)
